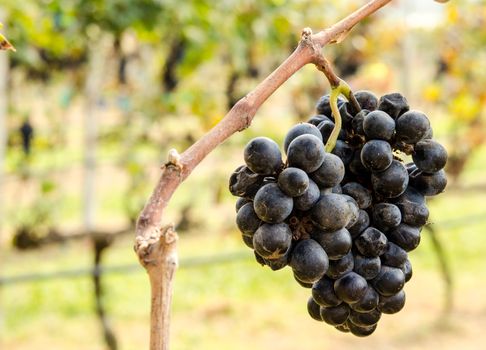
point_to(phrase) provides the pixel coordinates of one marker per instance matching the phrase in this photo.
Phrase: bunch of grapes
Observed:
(343, 221)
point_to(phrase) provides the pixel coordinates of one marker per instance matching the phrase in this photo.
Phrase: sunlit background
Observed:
(98, 92)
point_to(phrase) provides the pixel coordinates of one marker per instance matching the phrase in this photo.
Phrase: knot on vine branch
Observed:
(153, 248)
(306, 34)
(307, 40)
(174, 159)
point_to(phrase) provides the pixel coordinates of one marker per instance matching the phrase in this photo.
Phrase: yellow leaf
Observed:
(432, 92)
(465, 107)
(452, 15)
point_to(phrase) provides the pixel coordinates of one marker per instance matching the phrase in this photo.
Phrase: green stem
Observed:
(331, 142)
(341, 88)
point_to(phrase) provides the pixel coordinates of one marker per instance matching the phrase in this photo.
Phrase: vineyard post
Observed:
(155, 245)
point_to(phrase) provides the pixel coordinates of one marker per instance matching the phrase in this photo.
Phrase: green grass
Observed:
(238, 304)
(228, 305)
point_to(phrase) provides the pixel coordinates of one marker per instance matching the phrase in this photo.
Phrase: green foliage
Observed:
(460, 77)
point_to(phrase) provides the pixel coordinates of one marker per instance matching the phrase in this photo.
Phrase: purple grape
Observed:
(271, 204)
(412, 126)
(272, 241)
(293, 181)
(301, 129)
(351, 287)
(309, 261)
(262, 156)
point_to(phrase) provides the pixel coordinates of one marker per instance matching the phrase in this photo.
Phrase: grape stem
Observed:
(156, 246)
(335, 92)
(338, 87)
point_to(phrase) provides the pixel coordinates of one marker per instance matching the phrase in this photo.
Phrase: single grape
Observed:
(394, 104)
(331, 212)
(247, 220)
(330, 173)
(323, 292)
(366, 99)
(429, 156)
(366, 267)
(309, 261)
(306, 152)
(361, 194)
(386, 216)
(360, 331)
(407, 270)
(391, 182)
(410, 196)
(371, 243)
(378, 125)
(301, 129)
(262, 156)
(413, 207)
(293, 181)
(272, 241)
(361, 224)
(248, 240)
(429, 184)
(412, 126)
(394, 256)
(368, 302)
(339, 268)
(245, 183)
(271, 204)
(351, 287)
(353, 209)
(310, 197)
(376, 155)
(336, 244)
(356, 167)
(314, 309)
(241, 202)
(392, 304)
(343, 151)
(405, 236)
(335, 315)
(357, 122)
(346, 116)
(303, 284)
(317, 119)
(389, 281)
(279, 263)
(365, 319)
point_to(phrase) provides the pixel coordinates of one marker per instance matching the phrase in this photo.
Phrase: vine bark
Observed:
(156, 246)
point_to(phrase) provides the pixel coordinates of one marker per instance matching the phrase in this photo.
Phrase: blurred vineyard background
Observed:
(98, 92)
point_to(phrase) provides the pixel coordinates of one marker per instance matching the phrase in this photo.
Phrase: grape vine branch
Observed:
(155, 245)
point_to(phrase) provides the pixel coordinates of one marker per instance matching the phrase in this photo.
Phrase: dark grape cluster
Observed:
(343, 221)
